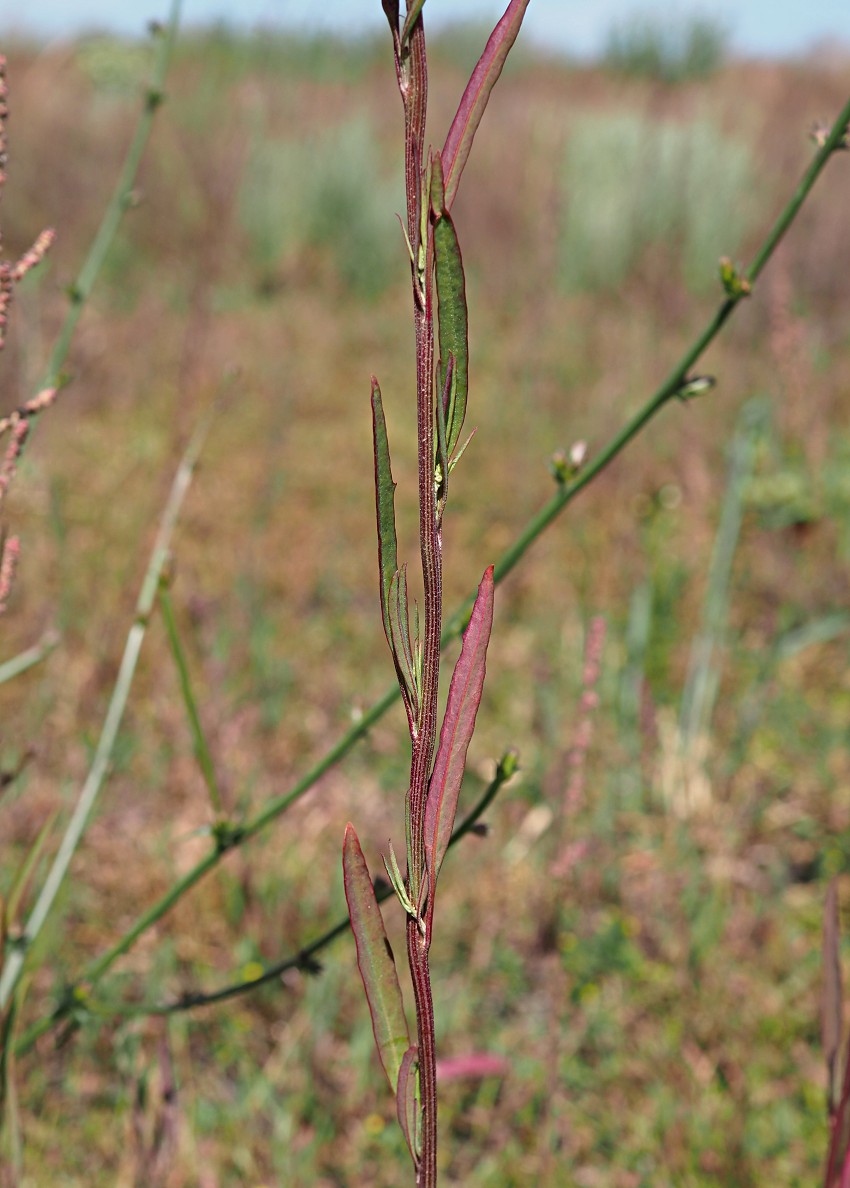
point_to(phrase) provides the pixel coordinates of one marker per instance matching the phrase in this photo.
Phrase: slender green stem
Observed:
(29, 657)
(199, 739)
(514, 553)
(304, 959)
(16, 957)
(121, 200)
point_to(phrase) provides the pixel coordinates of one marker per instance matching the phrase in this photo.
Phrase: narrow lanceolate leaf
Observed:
(452, 380)
(474, 101)
(375, 960)
(410, 20)
(384, 505)
(831, 1004)
(458, 725)
(407, 1102)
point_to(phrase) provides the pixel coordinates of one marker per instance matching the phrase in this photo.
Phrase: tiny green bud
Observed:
(695, 385)
(508, 765)
(734, 284)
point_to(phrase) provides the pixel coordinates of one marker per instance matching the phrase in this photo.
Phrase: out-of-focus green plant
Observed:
(328, 193)
(631, 184)
(666, 47)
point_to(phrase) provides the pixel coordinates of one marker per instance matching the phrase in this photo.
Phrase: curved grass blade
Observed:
(375, 960)
(24, 874)
(407, 1102)
(477, 93)
(452, 381)
(458, 725)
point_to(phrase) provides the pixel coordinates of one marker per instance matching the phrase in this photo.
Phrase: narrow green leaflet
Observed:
(453, 327)
(407, 1104)
(477, 93)
(399, 617)
(384, 505)
(375, 960)
(410, 20)
(458, 724)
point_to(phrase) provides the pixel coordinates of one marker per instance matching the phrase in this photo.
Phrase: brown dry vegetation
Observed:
(657, 998)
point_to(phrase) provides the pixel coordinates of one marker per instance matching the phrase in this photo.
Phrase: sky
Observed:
(766, 28)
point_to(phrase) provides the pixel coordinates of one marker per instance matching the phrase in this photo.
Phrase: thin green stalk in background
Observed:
(199, 741)
(17, 954)
(30, 656)
(80, 292)
(304, 959)
(700, 692)
(121, 201)
(672, 386)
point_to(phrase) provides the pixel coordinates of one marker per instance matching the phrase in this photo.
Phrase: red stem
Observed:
(413, 84)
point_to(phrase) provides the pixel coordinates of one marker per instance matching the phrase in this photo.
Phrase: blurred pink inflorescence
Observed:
(16, 422)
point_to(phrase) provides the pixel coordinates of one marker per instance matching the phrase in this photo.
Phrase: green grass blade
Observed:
(458, 724)
(375, 961)
(199, 739)
(29, 657)
(24, 873)
(477, 93)
(700, 691)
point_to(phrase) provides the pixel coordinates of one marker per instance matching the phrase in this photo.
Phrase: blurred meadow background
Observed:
(639, 932)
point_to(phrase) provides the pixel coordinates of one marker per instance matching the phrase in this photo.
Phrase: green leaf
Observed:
(385, 507)
(397, 881)
(399, 616)
(477, 93)
(407, 1102)
(410, 20)
(24, 873)
(456, 732)
(375, 960)
(453, 383)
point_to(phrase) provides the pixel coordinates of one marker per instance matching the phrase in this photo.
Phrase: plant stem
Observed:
(121, 200)
(413, 83)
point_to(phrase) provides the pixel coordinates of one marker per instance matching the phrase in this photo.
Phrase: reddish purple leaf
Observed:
(375, 960)
(456, 732)
(475, 97)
